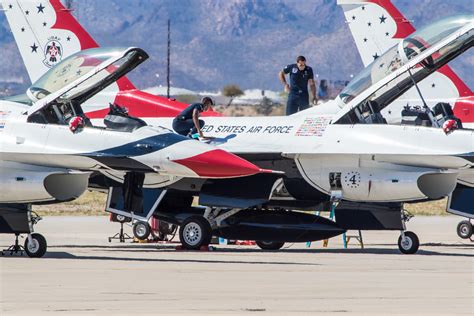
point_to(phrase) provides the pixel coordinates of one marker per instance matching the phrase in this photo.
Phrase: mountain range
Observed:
(245, 42)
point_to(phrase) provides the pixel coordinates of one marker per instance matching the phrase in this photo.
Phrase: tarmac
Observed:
(84, 274)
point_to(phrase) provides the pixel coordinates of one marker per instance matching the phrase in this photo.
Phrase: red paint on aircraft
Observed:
(218, 163)
(404, 27)
(143, 104)
(65, 21)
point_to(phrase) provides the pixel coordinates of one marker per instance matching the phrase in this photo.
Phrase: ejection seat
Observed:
(443, 112)
(118, 120)
(421, 116)
(415, 116)
(369, 113)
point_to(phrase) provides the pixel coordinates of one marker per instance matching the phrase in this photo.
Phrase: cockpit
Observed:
(58, 113)
(396, 71)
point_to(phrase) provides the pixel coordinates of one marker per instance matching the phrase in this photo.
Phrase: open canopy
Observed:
(400, 54)
(405, 64)
(82, 75)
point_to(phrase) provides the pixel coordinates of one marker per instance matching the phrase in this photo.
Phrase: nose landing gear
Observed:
(408, 242)
(35, 244)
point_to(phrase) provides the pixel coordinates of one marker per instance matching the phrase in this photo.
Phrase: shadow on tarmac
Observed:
(458, 245)
(66, 255)
(170, 248)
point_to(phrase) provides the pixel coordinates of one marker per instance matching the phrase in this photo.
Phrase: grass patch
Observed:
(91, 203)
(432, 208)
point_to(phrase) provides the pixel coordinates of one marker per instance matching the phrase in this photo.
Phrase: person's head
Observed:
(207, 102)
(301, 62)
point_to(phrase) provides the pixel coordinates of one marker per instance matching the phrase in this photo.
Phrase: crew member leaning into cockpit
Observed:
(187, 123)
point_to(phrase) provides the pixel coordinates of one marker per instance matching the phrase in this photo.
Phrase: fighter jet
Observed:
(49, 148)
(343, 150)
(371, 186)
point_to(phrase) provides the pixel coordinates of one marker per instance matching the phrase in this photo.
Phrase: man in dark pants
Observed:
(300, 76)
(187, 122)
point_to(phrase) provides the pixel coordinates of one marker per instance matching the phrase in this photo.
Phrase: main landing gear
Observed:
(196, 231)
(408, 242)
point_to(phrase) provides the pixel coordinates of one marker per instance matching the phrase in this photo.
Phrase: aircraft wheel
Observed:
(195, 232)
(141, 230)
(464, 229)
(408, 244)
(269, 245)
(37, 247)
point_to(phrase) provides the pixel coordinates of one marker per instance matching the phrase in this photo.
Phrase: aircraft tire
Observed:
(464, 229)
(141, 230)
(37, 248)
(269, 245)
(195, 232)
(410, 244)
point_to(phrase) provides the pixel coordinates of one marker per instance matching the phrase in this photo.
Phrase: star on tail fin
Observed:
(376, 26)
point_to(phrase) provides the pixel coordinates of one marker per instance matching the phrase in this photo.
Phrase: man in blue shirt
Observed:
(300, 76)
(187, 122)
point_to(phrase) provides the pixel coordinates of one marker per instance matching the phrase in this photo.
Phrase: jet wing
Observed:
(90, 79)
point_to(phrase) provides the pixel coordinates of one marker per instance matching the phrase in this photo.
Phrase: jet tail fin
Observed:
(45, 33)
(376, 26)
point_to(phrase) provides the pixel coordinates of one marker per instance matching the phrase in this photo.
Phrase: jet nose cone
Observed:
(218, 163)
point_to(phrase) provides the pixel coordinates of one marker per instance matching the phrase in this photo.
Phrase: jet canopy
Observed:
(77, 66)
(402, 67)
(400, 54)
(82, 75)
